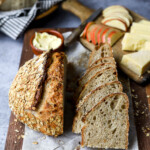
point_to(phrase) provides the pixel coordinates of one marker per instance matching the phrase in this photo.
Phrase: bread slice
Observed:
(103, 60)
(107, 124)
(36, 96)
(100, 78)
(103, 51)
(92, 71)
(93, 99)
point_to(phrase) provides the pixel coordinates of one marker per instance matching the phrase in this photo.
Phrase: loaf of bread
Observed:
(101, 107)
(103, 51)
(92, 100)
(36, 96)
(107, 124)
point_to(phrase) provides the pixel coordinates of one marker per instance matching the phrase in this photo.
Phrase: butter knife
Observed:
(75, 34)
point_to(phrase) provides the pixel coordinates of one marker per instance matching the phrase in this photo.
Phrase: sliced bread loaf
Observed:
(107, 124)
(93, 99)
(92, 71)
(103, 60)
(100, 78)
(103, 51)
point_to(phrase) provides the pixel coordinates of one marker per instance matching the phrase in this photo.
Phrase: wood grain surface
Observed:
(83, 13)
(141, 103)
(16, 129)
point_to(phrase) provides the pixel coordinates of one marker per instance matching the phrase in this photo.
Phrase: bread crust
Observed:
(79, 106)
(97, 66)
(98, 88)
(102, 59)
(46, 114)
(127, 107)
(100, 72)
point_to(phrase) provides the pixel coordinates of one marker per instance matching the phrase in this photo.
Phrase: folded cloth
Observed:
(13, 23)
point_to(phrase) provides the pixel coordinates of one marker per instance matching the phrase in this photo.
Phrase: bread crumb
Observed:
(142, 112)
(15, 142)
(44, 137)
(147, 134)
(148, 71)
(134, 96)
(148, 96)
(35, 143)
(77, 148)
(133, 90)
(15, 120)
(33, 108)
(17, 131)
(22, 136)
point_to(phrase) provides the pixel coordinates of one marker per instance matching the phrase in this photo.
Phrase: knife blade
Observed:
(74, 35)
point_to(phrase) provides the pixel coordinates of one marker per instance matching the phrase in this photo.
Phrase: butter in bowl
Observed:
(45, 40)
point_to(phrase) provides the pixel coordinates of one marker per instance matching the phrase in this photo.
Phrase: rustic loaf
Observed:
(93, 99)
(36, 94)
(103, 51)
(107, 124)
(100, 78)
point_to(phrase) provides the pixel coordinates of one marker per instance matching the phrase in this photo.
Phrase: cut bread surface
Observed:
(103, 60)
(92, 71)
(107, 124)
(93, 99)
(103, 51)
(100, 78)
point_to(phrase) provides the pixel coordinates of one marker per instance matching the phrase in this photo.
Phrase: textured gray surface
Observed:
(10, 50)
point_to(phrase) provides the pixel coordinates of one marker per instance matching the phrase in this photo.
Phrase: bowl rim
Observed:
(37, 51)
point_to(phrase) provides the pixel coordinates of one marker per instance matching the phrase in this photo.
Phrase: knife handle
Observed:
(77, 9)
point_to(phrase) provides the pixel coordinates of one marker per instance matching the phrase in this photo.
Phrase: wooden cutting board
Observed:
(141, 105)
(83, 13)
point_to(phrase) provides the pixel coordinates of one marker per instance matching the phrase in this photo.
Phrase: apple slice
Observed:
(99, 34)
(124, 16)
(116, 23)
(86, 28)
(89, 32)
(104, 35)
(120, 17)
(113, 37)
(115, 8)
(94, 34)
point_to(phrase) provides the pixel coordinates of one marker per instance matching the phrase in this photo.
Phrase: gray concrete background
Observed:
(10, 50)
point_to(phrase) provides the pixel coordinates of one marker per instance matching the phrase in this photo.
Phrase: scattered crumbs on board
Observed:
(135, 95)
(141, 111)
